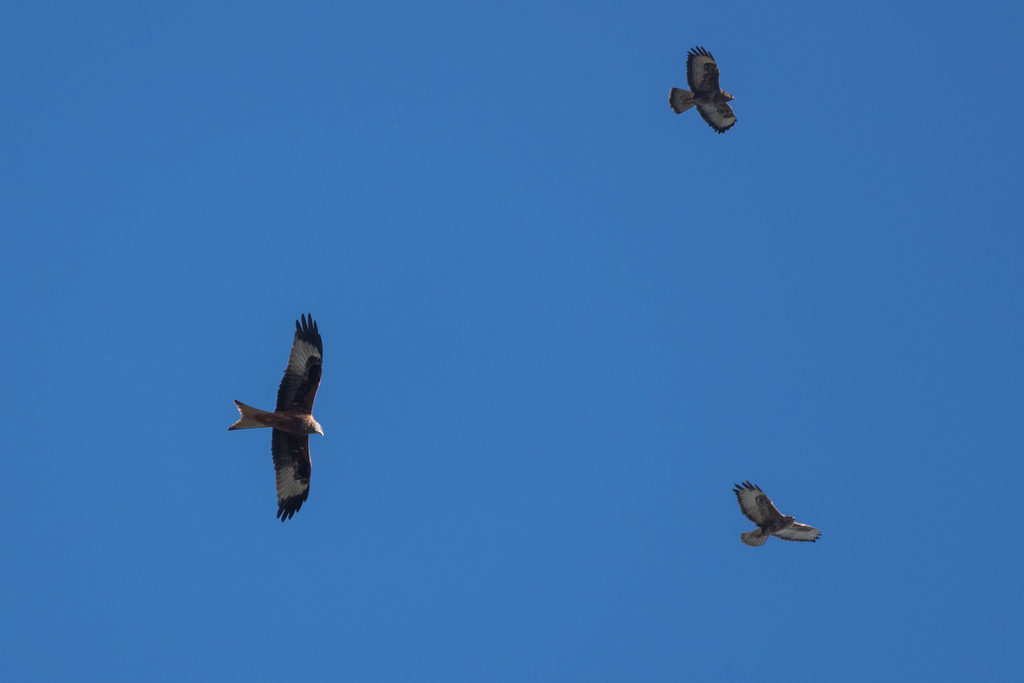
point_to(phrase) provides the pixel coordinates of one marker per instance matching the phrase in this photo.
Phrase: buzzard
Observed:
(770, 522)
(702, 77)
(292, 419)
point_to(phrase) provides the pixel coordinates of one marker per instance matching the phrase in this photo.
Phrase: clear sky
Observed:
(560, 322)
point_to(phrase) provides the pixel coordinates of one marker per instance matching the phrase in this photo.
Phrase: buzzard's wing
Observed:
(799, 532)
(302, 376)
(719, 116)
(292, 465)
(701, 71)
(755, 505)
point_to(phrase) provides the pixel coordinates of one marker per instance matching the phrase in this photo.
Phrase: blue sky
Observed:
(560, 323)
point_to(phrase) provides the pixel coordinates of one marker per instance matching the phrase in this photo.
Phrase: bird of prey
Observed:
(770, 522)
(711, 101)
(292, 419)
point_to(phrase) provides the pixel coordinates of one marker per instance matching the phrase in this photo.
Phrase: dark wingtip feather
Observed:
(307, 330)
(287, 508)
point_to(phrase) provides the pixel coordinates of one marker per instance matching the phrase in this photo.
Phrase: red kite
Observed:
(760, 510)
(292, 420)
(702, 77)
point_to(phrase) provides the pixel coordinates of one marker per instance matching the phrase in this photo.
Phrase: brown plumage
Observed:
(711, 101)
(292, 419)
(760, 510)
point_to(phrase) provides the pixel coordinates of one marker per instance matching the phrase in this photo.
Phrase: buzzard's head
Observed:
(788, 519)
(728, 96)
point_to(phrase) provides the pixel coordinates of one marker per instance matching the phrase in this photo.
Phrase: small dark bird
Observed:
(760, 510)
(711, 101)
(292, 419)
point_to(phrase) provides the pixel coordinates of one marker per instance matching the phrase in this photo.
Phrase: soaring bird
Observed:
(760, 510)
(292, 419)
(711, 101)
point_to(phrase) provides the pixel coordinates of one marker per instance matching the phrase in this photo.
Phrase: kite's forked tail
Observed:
(680, 100)
(755, 538)
(249, 419)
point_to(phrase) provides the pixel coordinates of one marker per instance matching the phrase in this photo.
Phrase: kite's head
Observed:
(728, 96)
(312, 426)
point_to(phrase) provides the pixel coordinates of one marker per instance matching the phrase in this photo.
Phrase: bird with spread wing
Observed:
(711, 101)
(760, 510)
(292, 419)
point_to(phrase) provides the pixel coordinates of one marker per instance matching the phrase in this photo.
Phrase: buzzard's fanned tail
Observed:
(754, 538)
(680, 100)
(248, 419)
